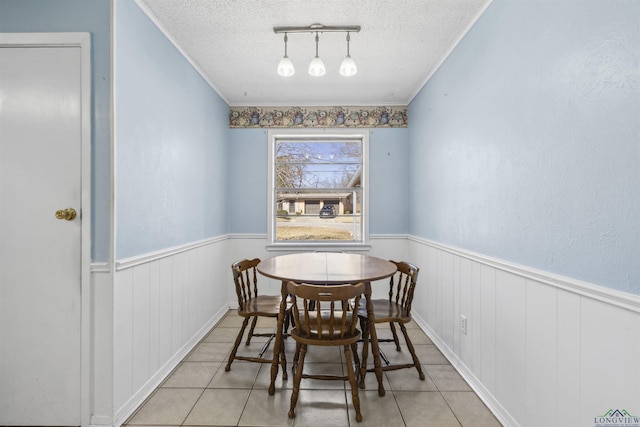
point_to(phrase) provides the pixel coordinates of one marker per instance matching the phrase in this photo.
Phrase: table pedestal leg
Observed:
(278, 346)
(375, 350)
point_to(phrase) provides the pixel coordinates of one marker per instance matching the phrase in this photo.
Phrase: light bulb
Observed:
(285, 67)
(316, 67)
(348, 67)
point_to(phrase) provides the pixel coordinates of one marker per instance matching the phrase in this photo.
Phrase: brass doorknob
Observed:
(69, 214)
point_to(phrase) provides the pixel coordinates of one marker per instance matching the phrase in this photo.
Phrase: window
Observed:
(317, 185)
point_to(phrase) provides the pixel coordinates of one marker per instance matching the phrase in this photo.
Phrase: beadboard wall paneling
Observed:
(102, 345)
(541, 375)
(610, 351)
(539, 349)
(163, 305)
(567, 355)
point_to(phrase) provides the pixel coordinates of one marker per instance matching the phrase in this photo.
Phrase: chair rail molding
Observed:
(614, 297)
(164, 253)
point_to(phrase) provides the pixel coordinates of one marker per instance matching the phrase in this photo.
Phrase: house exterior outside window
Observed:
(317, 188)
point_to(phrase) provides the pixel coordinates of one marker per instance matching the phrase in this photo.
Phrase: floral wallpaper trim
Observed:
(318, 117)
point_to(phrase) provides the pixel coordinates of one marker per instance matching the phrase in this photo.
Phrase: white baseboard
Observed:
(100, 421)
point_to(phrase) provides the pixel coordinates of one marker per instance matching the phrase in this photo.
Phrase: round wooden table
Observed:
(327, 268)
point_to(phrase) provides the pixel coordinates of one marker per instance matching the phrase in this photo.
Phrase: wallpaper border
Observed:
(318, 117)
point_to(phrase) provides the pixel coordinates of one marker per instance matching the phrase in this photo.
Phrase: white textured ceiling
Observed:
(232, 43)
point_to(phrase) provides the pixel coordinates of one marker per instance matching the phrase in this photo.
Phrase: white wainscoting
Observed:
(163, 304)
(540, 349)
(101, 387)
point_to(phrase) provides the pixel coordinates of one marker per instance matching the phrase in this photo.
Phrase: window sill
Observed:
(319, 247)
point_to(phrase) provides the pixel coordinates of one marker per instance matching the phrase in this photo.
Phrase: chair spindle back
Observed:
(329, 318)
(245, 278)
(402, 285)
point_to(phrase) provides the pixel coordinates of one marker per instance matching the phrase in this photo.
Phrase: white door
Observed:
(41, 135)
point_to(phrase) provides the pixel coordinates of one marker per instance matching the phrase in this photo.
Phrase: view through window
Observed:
(317, 184)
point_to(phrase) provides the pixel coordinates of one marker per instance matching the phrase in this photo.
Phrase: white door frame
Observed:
(83, 41)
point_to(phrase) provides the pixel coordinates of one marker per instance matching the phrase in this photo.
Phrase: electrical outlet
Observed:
(463, 324)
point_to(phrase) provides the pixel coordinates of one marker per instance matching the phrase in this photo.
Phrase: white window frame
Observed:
(335, 245)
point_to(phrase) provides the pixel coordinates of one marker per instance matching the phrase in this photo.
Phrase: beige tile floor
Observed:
(200, 393)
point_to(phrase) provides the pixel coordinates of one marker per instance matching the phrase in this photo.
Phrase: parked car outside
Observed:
(328, 211)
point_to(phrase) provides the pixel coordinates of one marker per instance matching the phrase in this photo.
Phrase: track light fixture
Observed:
(348, 67)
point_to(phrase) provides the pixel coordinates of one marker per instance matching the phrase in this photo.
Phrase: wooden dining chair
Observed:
(395, 310)
(329, 323)
(251, 306)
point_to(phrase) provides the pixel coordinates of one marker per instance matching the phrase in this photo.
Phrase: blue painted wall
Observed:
(79, 16)
(525, 145)
(248, 181)
(388, 181)
(171, 139)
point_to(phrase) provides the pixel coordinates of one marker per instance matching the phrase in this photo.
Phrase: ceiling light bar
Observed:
(316, 67)
(315, 28)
